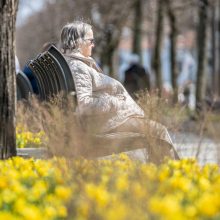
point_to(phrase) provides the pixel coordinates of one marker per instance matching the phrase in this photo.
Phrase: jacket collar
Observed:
(87, 60)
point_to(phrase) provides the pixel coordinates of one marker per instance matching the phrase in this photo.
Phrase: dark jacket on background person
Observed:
(136, 78)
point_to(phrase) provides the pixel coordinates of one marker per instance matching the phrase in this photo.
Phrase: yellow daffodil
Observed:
(116, 188)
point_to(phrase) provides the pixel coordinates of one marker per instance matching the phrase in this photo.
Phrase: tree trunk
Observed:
(218, 48)
(8, 11)
(213, 50)
(109, 49)
(201, 40)
(156, 63)
(137, 28)
(173, 38)
(109, 60)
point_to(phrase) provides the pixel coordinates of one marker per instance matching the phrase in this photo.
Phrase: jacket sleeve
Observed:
(87, 103)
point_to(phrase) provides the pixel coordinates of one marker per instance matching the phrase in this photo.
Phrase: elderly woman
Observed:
(101, 99)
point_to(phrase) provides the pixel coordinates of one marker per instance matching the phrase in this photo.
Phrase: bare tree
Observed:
(109, 28)
(214, 48)
(156, 62)
(201, 43)
(218, 47)
(8, 11)
(173, 49)
(137, 32)
(218, 57)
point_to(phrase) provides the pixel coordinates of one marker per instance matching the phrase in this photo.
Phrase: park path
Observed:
(204, 149)
(189, 145)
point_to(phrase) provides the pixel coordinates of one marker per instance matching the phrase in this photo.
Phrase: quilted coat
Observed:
(101, 99)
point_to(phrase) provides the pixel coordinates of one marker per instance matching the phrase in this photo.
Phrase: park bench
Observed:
(53, 76)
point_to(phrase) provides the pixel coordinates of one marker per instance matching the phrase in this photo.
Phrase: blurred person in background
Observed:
(187, 79)
(187, 73)
(136, 78)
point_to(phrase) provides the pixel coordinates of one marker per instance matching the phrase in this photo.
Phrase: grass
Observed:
(66, 137)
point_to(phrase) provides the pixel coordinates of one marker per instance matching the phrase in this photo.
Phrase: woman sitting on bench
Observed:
(102, 100)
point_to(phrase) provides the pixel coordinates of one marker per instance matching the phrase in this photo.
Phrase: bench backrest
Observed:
(52, 74)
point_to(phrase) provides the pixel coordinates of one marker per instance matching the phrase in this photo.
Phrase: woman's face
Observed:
(86, 47)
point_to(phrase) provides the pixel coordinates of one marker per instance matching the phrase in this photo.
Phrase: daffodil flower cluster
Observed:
(26, 138)
(125, 189)
(117, 188)
(34, 189)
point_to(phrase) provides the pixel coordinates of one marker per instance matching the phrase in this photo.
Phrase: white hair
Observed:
(72, 35)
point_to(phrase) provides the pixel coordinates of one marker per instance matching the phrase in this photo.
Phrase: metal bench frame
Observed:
(24, 88)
